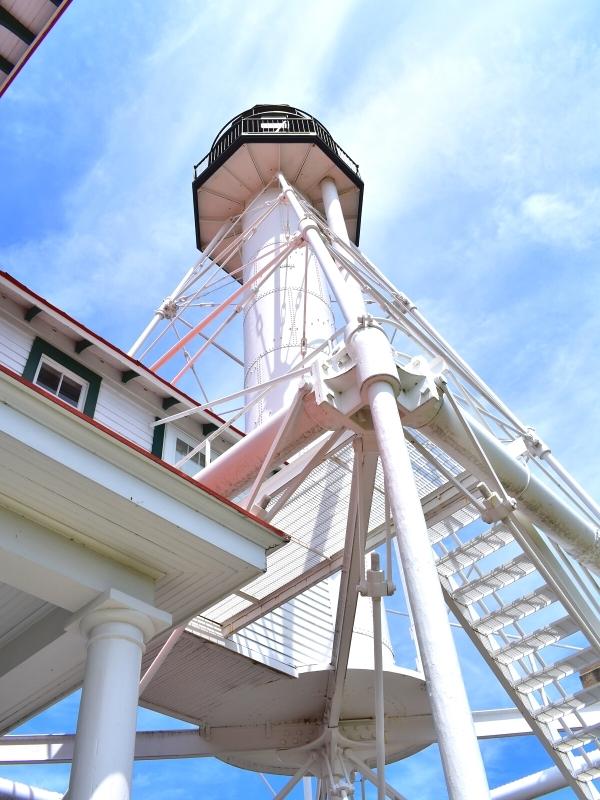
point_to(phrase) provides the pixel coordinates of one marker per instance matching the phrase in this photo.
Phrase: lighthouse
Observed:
(266, 168)
(364, 429)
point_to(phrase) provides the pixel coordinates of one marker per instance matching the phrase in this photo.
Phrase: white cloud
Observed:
(558, 220)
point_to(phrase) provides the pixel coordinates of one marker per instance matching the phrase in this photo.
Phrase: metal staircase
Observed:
(510, 589)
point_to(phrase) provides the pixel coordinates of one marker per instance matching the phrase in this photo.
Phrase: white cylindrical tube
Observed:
(335, 219)
(532, 786)
(461, 758)
(12, 790)
(557, 518)
(333, 209)
(350, 302)
(106, 726)
(289, 313)
(379, 698)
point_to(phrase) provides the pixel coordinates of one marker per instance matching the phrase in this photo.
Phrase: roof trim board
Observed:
(150, 456)
(22, 32)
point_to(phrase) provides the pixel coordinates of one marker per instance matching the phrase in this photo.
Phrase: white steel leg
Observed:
(307, 787)
(375, 578)
(106, 726)
(10, 790)
(461, 758)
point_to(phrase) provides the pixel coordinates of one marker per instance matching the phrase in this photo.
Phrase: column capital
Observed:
(116, 606)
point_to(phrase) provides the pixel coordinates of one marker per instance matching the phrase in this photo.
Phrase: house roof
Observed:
(24, 24)
(10, 286)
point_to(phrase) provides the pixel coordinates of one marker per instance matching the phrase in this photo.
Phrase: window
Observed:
(173, 444)
(195, 463)
(60, 382)
(62, 376)
(178, 444)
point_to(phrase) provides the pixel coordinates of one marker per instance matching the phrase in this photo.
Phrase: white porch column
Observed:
(116, 628)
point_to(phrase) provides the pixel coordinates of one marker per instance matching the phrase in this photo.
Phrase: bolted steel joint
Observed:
(168, 309)
(375, 584)
(496, 509)
(403, 303)
(370, 350)
(536, 447)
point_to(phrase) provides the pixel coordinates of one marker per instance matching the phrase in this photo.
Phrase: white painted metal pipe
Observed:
(576, 535)
(378, 674)
(531, 786)
(461, 758)
(409, 612)
(573, 485)
(337, 223)
(237, 468)
(351, 307)
(295, 779)
(106, 726)
(307, 787)
(333, 209)
(160, 657)
(10, 790)
(372, 777)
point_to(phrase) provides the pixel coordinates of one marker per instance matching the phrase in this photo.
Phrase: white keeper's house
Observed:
(103, 542)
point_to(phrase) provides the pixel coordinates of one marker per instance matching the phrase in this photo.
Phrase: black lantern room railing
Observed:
(272, 123)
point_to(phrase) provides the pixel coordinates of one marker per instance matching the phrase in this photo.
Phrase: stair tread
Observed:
(520, 608)
(566, 705)
(501, 576)
(536, 640)
(581, 738)
(560, 669)
(474, 550)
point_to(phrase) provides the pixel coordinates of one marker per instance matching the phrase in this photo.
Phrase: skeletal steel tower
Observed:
(334, 354)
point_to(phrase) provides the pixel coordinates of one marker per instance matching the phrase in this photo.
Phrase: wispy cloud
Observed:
(476, 129)
(128, 219)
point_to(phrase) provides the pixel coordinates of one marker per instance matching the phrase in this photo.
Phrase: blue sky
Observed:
(476, 129)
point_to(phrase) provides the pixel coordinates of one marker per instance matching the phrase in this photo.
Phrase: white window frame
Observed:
(170, 454)
(44, 359)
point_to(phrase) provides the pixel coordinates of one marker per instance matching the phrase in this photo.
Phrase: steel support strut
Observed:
(459, 750)
(461, 758)
(377, 588)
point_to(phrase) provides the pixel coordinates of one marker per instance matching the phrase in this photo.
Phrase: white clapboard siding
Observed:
(124, 415)
(15, 344)
(298, 633)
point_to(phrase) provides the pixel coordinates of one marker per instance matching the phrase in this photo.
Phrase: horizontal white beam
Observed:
(200, 743)
(13, 790)
(492, 723)
(531, 786)
(538, 784)
(195, 743)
